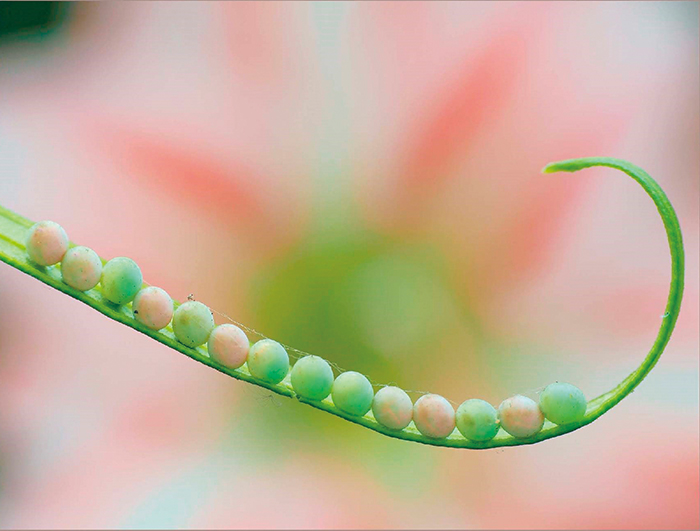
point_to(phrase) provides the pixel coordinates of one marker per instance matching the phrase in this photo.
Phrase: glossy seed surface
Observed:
(563, 403)
(392, 407)
(312, 377)
(268, 361)
(193, 322)
(477, 420)
(434, 416)
(46, 243)
(520, 416)
(121, 280)
(228, 345)
(81, 268)
(153, 307)
(352, 393)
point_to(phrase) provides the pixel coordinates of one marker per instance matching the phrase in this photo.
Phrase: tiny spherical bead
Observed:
(477, 420)
(392, 408)
(46, 243)
(520, 416)
(352, 393)
(228, 345)
(193, 322)
(434, 416)
(81, 268)
(563, 403)
(268, 361)
(153, 307)
(121, 280)
(312, 377)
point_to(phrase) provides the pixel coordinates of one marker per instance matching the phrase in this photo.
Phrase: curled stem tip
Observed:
(603, 403)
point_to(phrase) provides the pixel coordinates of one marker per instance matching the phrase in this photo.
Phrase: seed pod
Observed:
(13, 227)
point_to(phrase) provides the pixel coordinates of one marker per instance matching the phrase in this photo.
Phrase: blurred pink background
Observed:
(361, 181)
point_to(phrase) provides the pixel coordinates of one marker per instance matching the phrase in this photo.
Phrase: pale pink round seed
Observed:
(392, 407)
(153, 307)
(81, 268)
(46, 243)
(520, 416)
(434, 416)
(228, 345)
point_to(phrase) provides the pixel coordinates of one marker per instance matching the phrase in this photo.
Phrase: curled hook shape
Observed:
(13, 229)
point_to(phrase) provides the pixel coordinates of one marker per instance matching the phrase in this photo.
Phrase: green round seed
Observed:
(192, 323)
(477, 420)
(312, 377)
(121, 280)
(353, 393)
(268, 361)
(563, 403)
(81, 268)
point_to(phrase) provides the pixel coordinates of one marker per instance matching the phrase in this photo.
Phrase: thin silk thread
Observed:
(297, 354)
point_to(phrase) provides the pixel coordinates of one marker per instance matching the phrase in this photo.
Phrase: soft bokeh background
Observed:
(360, 181)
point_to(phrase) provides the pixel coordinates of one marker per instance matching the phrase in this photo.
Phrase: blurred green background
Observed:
(361, 181)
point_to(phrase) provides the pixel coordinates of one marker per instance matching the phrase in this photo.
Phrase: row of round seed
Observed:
(311, 376)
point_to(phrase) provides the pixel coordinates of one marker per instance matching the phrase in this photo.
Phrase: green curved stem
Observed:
(13, 230)
(604, 402)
